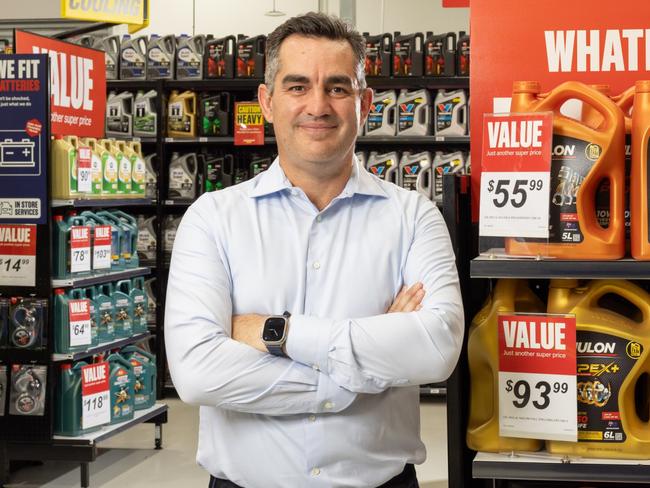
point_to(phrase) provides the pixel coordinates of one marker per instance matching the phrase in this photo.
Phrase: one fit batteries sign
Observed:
(77, 84)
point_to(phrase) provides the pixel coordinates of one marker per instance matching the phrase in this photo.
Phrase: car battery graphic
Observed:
(17, 154)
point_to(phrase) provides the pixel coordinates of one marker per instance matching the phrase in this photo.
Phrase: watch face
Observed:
(273, 329)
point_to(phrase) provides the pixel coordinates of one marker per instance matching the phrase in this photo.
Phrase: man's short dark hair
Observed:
(314, 24)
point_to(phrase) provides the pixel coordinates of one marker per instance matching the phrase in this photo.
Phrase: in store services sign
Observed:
(114, 11)
(77, 84)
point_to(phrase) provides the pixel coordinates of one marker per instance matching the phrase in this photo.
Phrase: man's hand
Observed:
(408, 299)
(247, 329)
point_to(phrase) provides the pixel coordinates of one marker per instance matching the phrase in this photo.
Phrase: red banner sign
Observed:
(94, 378)
(77, 84)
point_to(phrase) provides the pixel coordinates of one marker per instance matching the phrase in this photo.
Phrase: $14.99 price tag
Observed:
(537, 377)
(514, 197)
(17, 255)
(95, 399)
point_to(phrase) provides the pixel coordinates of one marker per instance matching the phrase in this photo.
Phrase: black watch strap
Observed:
(276, 350)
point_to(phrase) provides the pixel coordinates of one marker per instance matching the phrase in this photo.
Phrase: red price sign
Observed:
(95, 398)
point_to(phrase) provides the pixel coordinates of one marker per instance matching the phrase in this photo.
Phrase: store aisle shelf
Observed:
(210, 140)
(143, 140)
(545, 467)
(98, 278)
(486, 267)
(102, 202)
(397, 140)
(227, 84)
(132, 84)
(109, 431)
(432, 83)
(106, 346)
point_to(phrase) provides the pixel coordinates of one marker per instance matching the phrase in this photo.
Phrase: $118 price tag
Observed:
(95, 399)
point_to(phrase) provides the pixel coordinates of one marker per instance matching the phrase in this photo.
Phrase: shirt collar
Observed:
(274, 180)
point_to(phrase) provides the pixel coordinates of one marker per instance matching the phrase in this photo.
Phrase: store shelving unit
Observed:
(97, 278)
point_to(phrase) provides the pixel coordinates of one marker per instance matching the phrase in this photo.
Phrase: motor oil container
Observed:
(219, 57)
(145, 114)
(581, 158)
(144, 371)
(151, 300)
(382, 118)
(132, 150)
(462, 53)
(111, 47)
(147, 243)
(181, 114)
(213, 175)
(250, 57)
(450, 113)
(80, 294)
(117, 237)
(408, 54)
(124, 168)
(125, 240)
(613, 356)
(443, 164)
(133, 58)
(414, 117)
(640, 172)
(384, 166)
(189, 57)
(508, 296)
(62, 342)
(378, 51)
(130, 226)
(415, 173)
(119, 114)
(93, 221)
(109, 168)
(214, 111)
(182, 176)
(64, 167)
(68, 411)
(96, 168)
(123, 310)
(362, 156)
(102, 295)
(73, 221)
(161, 57)
(135, 290)
(169, 235)
(61, 248)
(440, 54)
(259, 165)
(592, 118)
(151, 186)
(122, 393)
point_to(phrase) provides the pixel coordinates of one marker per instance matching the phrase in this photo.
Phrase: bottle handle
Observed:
(635, 295)
(123, 285)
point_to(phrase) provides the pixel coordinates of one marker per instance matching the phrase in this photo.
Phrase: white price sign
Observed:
(537, 377)
(102, 241)
(95, 400)
(17, 255)
(79, 320)
(84, 170)
(515, 175)
(79, 249)
(514, 204)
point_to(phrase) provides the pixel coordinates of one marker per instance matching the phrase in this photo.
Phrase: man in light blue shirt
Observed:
(364, 269)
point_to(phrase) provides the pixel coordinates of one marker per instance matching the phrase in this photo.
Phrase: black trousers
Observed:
(406, 479)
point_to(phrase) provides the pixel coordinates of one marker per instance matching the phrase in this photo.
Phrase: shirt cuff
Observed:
(308, 341)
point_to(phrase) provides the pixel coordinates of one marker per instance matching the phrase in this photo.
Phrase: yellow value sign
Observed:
(113, 11)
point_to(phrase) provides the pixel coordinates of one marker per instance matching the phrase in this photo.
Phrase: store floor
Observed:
(132, 462)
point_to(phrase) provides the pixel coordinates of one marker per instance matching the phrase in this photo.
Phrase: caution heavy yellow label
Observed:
(114, 11)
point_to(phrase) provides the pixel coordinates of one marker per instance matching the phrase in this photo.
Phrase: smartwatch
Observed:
(274, 333)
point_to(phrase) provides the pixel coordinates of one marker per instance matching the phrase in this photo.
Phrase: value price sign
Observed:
(17, 255)
(95, 400)
(515, 175)
(102, 242)
(79, 320)
(537, 377)
(79, 249)
(84, 158)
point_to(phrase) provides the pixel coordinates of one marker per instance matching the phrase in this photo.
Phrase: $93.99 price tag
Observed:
(537, 377)
(95, 399)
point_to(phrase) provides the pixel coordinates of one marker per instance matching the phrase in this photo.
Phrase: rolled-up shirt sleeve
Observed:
(207, 366)
(371, 354)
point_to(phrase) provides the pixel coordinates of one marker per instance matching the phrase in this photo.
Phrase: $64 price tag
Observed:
(540, 393)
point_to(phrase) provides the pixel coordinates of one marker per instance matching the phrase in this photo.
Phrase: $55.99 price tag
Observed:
(537, 377)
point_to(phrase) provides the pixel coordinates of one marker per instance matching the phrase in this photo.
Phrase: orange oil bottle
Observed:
(613, 355)
(582, 157)
(509, 296)
(639, 196)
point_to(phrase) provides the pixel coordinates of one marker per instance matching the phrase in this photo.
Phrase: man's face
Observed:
(316, 106)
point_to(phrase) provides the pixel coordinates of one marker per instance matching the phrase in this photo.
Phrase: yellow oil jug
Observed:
(95, 166)
(613, 346)
(509, 296)
(133, 151)
(181, 114)
(109, 168)
(116, 148)
(64, 167)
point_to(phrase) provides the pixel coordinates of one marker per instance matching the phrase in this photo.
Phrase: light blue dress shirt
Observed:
(344, 410)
